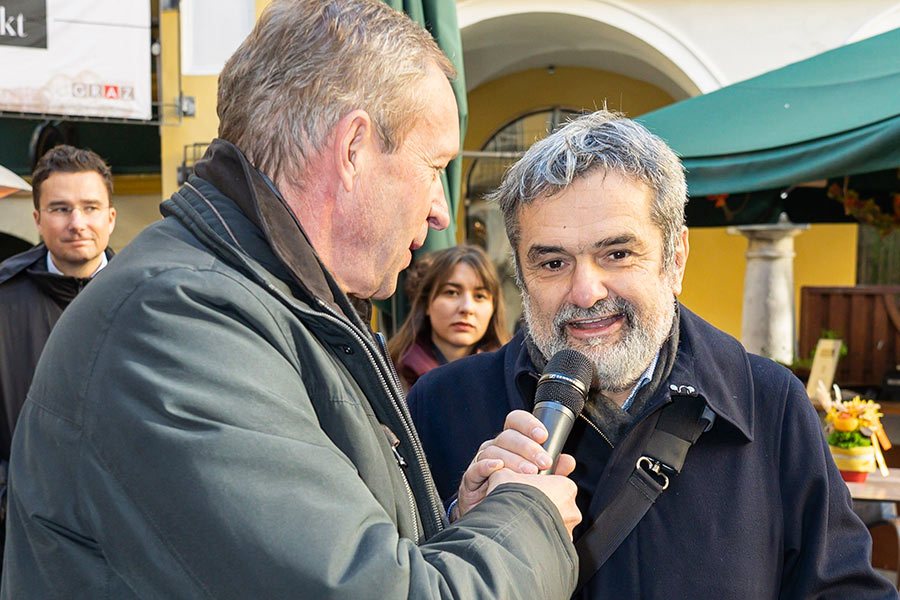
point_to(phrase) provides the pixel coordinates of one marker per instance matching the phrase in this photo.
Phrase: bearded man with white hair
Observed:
(702, 470)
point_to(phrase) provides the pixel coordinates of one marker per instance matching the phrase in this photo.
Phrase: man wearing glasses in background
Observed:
(72, 210)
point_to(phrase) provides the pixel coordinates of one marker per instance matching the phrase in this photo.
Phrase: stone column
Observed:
(768, 323)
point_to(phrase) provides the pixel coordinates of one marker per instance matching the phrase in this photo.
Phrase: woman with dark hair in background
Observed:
(457, 310)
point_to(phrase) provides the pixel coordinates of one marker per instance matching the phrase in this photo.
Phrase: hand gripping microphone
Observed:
(560, 395)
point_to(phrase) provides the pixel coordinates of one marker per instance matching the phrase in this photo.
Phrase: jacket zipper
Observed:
(400, 460)
(407, 426)
(330, 315)
(382, 343)
(597, 429)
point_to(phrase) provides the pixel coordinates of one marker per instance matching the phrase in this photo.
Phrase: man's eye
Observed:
(59, 210)
(90, 209)
(553, 265)
(620, 254)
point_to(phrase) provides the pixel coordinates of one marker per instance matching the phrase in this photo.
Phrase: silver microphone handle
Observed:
(558, 420)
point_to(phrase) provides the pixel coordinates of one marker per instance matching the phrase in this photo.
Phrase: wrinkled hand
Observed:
(514, 453)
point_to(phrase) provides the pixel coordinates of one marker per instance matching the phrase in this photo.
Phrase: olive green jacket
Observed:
(212, 419)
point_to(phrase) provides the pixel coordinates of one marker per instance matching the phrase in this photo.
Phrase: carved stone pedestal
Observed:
(769, 315)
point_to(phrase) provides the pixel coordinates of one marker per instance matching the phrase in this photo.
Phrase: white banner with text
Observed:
(86, 58)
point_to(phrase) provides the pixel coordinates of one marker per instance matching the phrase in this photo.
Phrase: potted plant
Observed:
(856, 437)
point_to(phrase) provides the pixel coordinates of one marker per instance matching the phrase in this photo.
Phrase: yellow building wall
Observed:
(205, 124)
(200, 128)
(497, 102)
(714, 279)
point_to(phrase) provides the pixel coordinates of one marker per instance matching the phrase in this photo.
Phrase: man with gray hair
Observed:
(213, 417)
(702, 470)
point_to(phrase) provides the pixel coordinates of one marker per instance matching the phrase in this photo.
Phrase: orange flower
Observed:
(719, 200)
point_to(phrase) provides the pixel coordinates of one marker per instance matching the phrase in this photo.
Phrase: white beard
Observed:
(619, 364)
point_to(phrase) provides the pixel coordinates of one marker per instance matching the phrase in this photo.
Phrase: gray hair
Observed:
(601, 141)
(306, 64)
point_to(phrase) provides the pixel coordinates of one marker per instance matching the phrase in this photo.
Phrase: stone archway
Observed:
(882, 23)
(505, 36)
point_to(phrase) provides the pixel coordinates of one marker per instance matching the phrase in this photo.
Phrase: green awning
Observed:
(837, 113)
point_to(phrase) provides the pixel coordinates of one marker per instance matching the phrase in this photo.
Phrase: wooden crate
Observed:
(865, 317)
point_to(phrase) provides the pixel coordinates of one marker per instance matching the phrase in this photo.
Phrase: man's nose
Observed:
(77, 219)
(439, 216)
(588, 285)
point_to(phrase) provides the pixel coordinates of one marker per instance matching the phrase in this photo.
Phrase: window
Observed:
(211, 30)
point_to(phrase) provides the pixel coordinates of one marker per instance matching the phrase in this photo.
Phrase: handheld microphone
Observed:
(559, 398)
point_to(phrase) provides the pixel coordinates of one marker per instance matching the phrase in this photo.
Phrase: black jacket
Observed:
(31, 301)
(759, 510)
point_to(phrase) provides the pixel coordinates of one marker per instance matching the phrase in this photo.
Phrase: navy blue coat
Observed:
(759, 510)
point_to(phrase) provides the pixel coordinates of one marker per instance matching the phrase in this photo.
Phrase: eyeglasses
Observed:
(65, 212)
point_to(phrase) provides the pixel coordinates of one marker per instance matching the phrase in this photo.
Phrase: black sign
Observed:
(23, 23)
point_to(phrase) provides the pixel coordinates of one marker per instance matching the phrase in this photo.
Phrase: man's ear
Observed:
(353, 138)
(37, 217)
(682, 249)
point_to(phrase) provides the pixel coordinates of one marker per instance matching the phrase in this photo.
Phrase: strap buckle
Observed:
(655, 469)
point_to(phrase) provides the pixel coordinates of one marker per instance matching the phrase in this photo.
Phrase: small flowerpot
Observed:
(854, 476)
(854, 463)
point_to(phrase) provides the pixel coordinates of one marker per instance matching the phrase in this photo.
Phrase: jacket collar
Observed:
(716, 366)
(226, 168)
(523, 385)
(17, 263)
(709, 363)
(33, 263)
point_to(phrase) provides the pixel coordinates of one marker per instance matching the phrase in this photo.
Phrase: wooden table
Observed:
(876, 487)
(885, 534)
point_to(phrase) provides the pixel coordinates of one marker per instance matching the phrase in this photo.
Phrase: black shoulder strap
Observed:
(679, 425)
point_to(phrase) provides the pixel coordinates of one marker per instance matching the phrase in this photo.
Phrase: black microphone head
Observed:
(566, 379)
